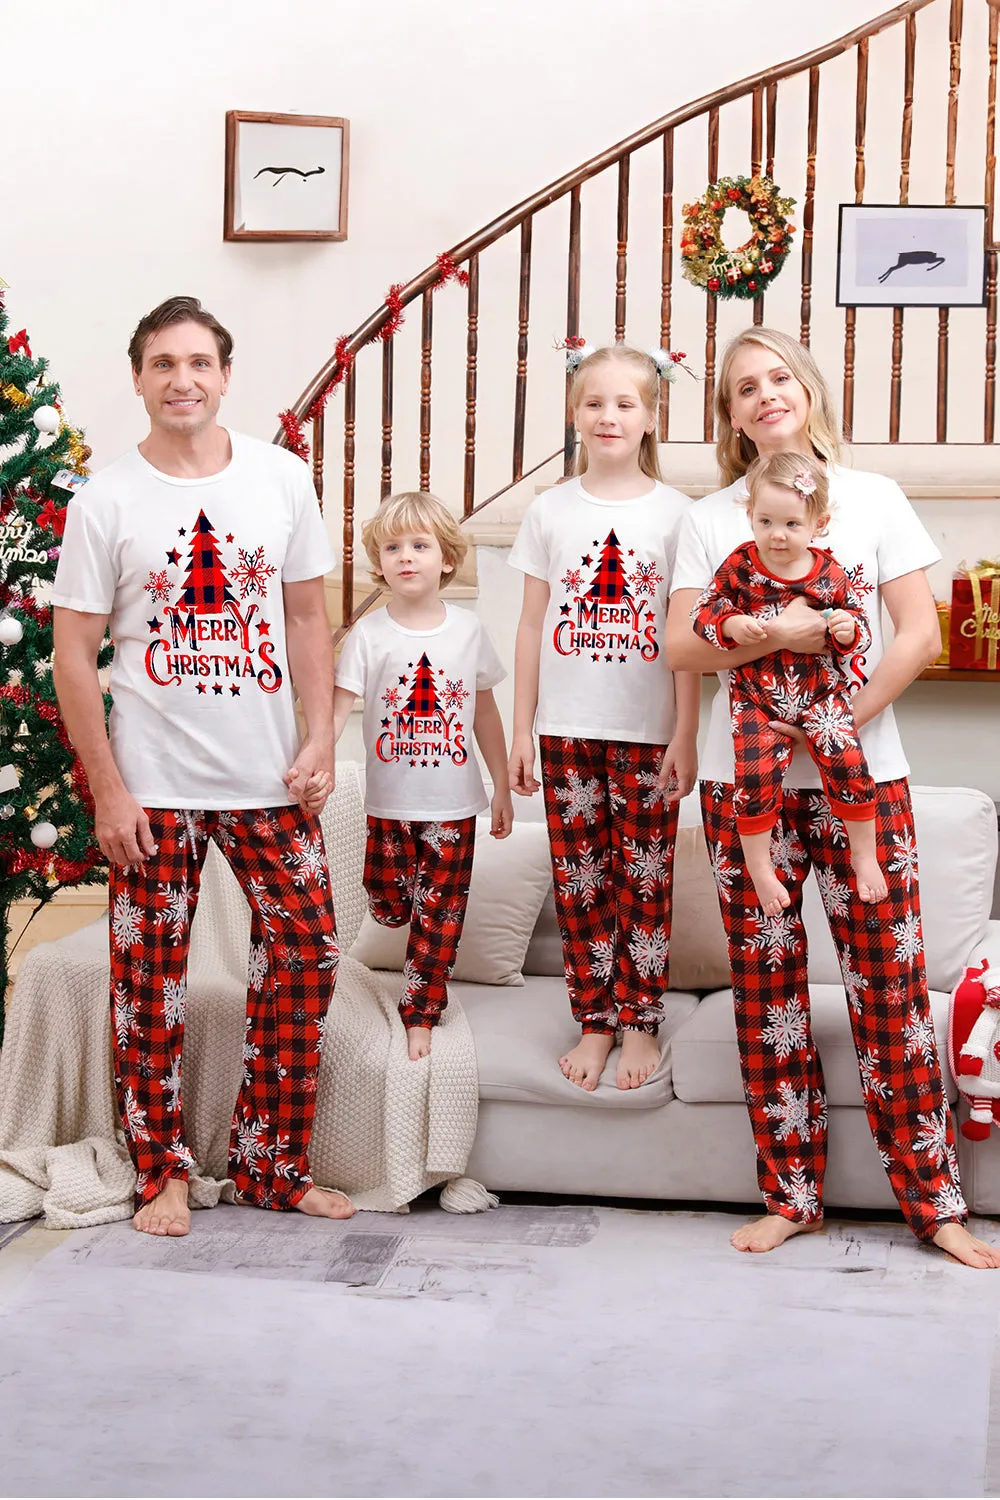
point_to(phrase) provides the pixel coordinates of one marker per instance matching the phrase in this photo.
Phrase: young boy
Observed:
(420, 664)
(788, 502)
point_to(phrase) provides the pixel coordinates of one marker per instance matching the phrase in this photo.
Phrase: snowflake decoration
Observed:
(790, 1113)
(649, 866)
(436, 835)
(786, 850)
(581, 799)
(830, 726)
(263, 827)
(124, 1014)
(654, 793)
(909, 941)
(251, 1142)
(871, 1080)
(252, 573)
(572, 581)
(583, 877)
(267, 908)
(225, 835)
(157, 587)
(722, 869)
(126, 922)
(949, 1203)
(307, 860)
(331, 953)
(933, 1137)
(775, 936)
(646, 579)
(787, 1029)
(649, 947)
(787, 694)
(413, 981)
(859, 582)
(836, 893)
(135, 1117)
(392, 697)
(193, 828)
(257, 966)
(454, 694)
(920, 1039)
(854, 985)
(174, 1000)
(824, 823)
(601, 961)
(172, 909)
(251, 1052)
(800, 1190)
(172, 1084)
(904, 858)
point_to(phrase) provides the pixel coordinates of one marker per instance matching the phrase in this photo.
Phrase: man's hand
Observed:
(122, 829)
(842, 626)
(678, 768)
(521, 766)
(311, 779)
(744, 630)
(501, 813)
(798, 628)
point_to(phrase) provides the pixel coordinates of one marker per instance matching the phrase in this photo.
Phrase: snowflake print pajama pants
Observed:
(881, 959)
(419, 873)
(612, 842)
(277, 855)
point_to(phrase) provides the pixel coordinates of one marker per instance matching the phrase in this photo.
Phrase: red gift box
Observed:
(975, 617)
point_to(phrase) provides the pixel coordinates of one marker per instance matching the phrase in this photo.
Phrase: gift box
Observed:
(974, 637)
(944, 625)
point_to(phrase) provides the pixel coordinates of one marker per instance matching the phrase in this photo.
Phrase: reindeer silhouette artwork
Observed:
(927, 258)
(280, 173)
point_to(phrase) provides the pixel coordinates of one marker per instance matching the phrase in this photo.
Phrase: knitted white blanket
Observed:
(386, 1128)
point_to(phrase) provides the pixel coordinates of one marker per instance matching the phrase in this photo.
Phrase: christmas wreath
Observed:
(750, 269)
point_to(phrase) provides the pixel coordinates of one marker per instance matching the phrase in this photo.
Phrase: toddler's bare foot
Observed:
(418, 1040)
(640, 1057)
(168, 1212)
(770, 892)
(955, 1240)
(871, 882)
(770, 1232)
(584, 1063)
(326, 1203)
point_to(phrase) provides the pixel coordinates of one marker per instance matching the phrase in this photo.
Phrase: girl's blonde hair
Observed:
(414, 510)
(801, 474)
(647, 382)
(734, 450)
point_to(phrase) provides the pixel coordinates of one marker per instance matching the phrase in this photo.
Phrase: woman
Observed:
(771, 398)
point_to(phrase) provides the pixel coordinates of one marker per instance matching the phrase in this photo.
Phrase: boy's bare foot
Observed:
(326, 1203)
(770, 892)
(770, 1232)
(872, 884)
(168, 1212)
(640, 1057)
(584, 1063)
(418, 1040)
(956, 1241)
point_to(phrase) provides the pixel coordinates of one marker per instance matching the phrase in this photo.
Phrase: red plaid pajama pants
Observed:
(881, 959)
(278, 857)
(419, 873)
(612, 842)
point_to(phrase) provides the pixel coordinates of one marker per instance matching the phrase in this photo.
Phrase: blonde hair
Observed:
(647, 383)
(734, 450)
(783, 469)
(414, 510)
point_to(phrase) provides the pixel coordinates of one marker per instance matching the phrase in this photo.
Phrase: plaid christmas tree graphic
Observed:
(609, 583)
(206, 586)
(423, 700)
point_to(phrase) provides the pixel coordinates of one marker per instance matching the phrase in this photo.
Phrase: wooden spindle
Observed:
(905, 145)
(772, 122)
(989, 197)
(471, 376)
(385, 486)
(347, 551)
(621, 262)
(756, 149)
(809, 208)
(521, 374)
(850, 313)
(572, 320)
(711, 301)
(666, 273)
(896, 375)
(426, 341)
(318, 425)
(954, 79)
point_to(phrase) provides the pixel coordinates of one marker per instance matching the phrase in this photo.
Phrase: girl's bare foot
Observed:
(326, 1203)
(168, 1212)
(770, 1232)
(871, 882)
(956, 1241)
(584, 1063)
(770, 892)
(418, 1040)
(640, 1057)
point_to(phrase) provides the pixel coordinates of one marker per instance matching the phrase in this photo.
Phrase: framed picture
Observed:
(931, 256)
(286, 177)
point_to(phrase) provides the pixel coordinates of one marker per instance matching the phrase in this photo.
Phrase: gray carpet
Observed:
(529, 1351)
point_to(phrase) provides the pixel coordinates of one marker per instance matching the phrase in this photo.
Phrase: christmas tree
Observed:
(46, 812)
(609, 579)
(423, 699)
(206, 587)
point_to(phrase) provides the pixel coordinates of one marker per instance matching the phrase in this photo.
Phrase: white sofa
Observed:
(685, 1135)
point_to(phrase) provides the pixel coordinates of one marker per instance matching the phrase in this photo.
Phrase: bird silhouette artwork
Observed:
(280, 173)
(929, 259)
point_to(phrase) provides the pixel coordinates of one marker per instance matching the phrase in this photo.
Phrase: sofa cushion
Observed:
(520, 1034)
(706, 1065)
(509, 880)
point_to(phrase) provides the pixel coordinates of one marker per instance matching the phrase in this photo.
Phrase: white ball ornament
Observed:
(11, 631)
(44, 835)
(46, 419)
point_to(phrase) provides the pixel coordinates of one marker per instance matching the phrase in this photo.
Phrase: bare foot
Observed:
(956, 1241)
(640, 1057)
(326, 1203)
(418, 1040)
(871, 882)
(770, 1232)
(584, 1063)
(770, 892)
(168, 1212)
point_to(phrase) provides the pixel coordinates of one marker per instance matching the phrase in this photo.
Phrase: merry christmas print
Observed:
(208, 629)
(611, 612)
(423, 726)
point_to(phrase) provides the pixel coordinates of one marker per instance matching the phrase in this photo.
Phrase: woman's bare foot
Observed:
(168, 1212)
(770, 892)
(326, 1203)
(770, 1232)
(584, 1063)
(418, 1040)
(956, 1241)
(871, 882)
(640, 1057)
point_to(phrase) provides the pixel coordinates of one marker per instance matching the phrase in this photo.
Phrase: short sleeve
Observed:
(489, 668)
(309, 553)
(352, 668)
(692, 569)
(530, 552)
(86, 576)
(904, 545)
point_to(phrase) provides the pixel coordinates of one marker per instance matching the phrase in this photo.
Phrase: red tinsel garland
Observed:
(294, 435)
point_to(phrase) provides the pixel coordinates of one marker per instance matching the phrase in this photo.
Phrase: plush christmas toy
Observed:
(974, 1046)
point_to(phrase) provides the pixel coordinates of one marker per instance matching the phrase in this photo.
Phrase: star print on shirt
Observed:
(173, 557)
(230, 537)
(202, 688)
(587, 560)
(182, 531)
(263, 627)
(564, 609)
(385, 723)
(233, 688)
(595, 656)
(608, 657)
(217, 689)
(154, 623)
(402, 680)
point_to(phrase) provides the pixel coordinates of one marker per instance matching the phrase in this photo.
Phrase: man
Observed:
(205, 550)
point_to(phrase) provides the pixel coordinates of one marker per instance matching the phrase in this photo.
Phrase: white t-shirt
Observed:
(874, 534)
(420, 688)
(603, 672)
(190, 572)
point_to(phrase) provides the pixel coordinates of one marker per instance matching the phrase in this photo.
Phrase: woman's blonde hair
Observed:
(803, 474)
(734, 450)
(414, 510)
(647, 382)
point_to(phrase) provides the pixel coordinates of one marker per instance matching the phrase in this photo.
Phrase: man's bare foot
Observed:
(168, 1212)
(584, 1063)
(326, 1203)
(770, 1232)
(770, 892)
(871, 882)
(956, 1241)
(418, 1040)
(640, 1057)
